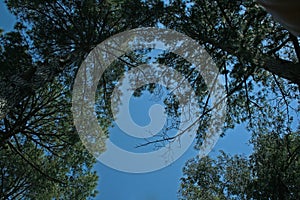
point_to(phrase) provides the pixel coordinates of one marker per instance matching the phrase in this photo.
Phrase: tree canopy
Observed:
(256, 56)
(42, 156)
(270, 172)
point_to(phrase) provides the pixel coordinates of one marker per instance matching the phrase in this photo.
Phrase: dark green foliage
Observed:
(271, 172)
(57, 35)
(42, 156)
(257, 58)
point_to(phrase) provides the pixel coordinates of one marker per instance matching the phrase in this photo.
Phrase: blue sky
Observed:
(162, 184)
(159, 185)
(6, 19)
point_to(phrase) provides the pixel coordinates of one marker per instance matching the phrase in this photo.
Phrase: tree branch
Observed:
(34, 166)
(296, 45)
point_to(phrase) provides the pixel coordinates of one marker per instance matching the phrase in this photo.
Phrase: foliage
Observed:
(58, 35)
(258, 59)
(43, 156)
(270, 172)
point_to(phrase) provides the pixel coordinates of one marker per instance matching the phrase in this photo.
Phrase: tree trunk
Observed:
(286, 12)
